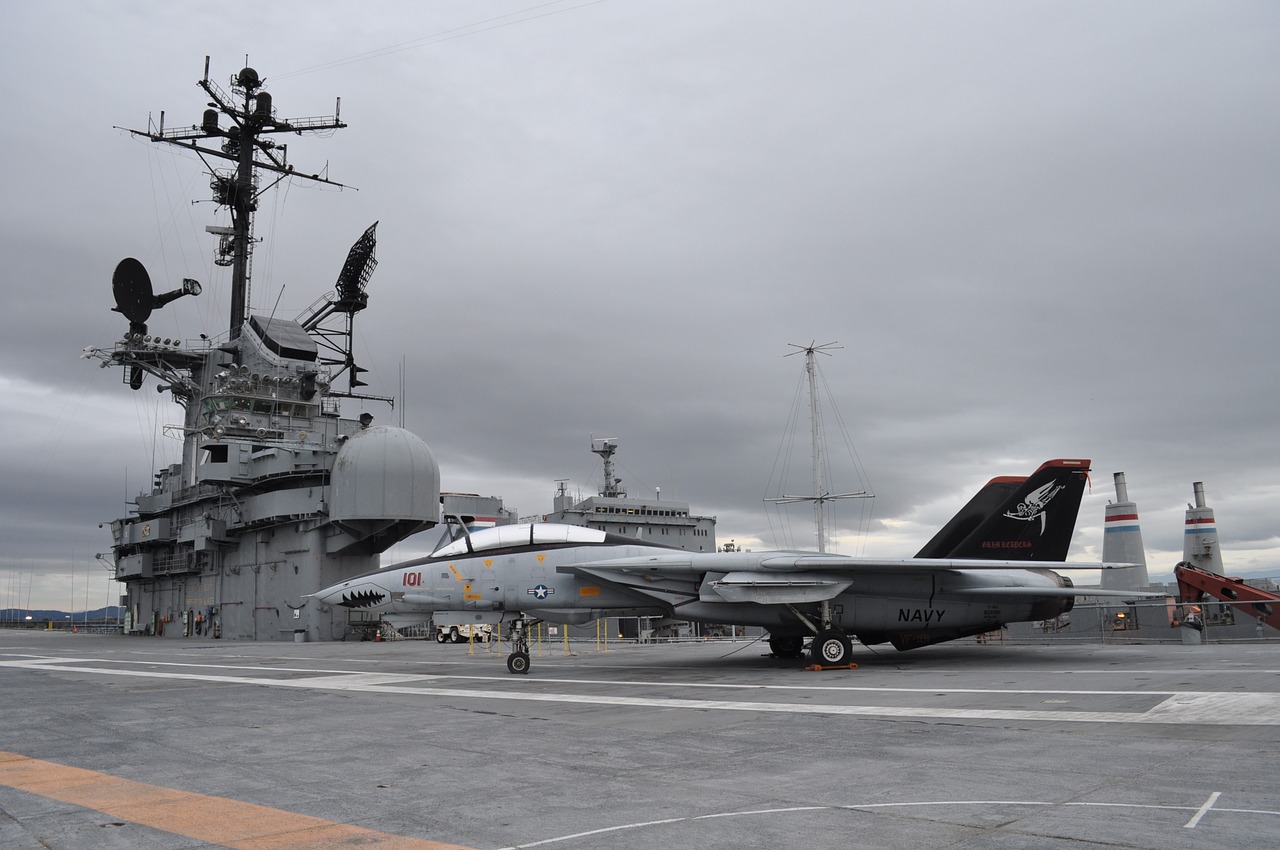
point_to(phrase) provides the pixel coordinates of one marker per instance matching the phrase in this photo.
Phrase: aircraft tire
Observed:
(831, 648)
(518, 662)
(786, 646)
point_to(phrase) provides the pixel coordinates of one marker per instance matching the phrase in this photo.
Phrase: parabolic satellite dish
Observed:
(131, 286)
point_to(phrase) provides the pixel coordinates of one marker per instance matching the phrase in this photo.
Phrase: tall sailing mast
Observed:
(820, 496)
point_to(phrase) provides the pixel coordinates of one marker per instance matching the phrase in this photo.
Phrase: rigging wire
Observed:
(782, 465)
(475, 28)
(750, 644)
(865, 507)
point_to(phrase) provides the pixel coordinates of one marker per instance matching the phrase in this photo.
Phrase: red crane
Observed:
(1194, 584)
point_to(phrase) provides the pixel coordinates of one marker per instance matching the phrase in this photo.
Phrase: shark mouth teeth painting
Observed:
(362, 599)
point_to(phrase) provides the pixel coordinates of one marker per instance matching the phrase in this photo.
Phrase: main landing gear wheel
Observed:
(518, 662)
(831, 648)
(786, 646)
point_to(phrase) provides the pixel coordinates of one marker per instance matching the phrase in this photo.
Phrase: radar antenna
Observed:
(135, 299)
(351, 298)
(244, 143)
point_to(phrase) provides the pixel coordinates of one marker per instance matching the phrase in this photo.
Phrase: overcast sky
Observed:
(1037, 230)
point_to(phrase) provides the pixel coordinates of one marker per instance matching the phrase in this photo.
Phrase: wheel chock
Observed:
(818, 668)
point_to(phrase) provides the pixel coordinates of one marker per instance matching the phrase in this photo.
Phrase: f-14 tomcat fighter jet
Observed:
(992, 564)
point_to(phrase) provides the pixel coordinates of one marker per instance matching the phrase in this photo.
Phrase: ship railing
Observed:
(317, 122)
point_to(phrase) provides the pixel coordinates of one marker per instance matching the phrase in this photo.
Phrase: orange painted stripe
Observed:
(214, 820)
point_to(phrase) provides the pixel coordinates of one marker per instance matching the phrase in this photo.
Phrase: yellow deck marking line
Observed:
(215, 820)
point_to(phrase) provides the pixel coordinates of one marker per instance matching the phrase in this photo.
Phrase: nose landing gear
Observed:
(518, 660)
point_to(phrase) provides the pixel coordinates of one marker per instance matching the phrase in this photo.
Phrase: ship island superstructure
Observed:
(669, 522)
(277, 494)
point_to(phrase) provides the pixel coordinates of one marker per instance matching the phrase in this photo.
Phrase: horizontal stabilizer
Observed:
(1121, 593)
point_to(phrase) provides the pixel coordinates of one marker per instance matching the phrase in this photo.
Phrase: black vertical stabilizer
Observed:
(992, 497)
(1035, 522)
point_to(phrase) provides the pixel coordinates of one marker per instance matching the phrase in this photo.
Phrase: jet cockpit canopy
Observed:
(524, 534)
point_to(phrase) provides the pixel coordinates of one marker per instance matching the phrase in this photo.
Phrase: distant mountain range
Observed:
(20, 615)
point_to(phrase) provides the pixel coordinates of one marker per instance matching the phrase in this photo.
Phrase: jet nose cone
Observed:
(330, 595)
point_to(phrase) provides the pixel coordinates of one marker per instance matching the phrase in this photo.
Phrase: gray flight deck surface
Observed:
(708, 745)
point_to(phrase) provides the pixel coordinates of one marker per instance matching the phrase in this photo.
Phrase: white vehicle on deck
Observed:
(479, 632)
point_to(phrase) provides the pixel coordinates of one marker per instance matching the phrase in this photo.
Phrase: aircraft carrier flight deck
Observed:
(114, 742)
